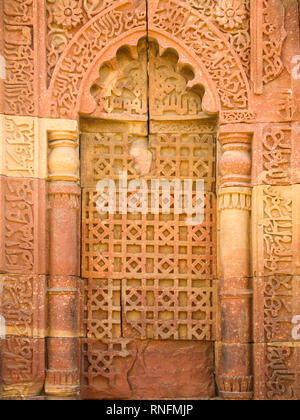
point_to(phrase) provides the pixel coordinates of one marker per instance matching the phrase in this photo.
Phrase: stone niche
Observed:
(150, 289)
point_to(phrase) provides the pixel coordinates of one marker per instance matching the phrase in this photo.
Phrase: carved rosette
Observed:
(62, 376)
(234, 351)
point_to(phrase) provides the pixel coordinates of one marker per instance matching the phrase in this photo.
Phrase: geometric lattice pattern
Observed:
(169, 309)
(99, 359)
(143, 246)
(103, 309)
(175, 156)
(153, 271)
(185, 156)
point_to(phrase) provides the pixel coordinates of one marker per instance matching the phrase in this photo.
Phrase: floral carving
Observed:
(68, 13)
(61, 27)
(230, 14)
(239, 36)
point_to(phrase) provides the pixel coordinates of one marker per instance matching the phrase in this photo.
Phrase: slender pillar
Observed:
(62, 377)
(233, 349)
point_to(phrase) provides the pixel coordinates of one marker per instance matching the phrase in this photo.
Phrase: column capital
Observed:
(235, 138)
(235, 164)
(63, 160)
(61, 135)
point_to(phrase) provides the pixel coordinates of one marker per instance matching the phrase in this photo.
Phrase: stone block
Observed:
(276, 230)
(22, 367)
(106, 365)
(24, 144)
(173, 369)
(23, 304)
(147, 369)
(23, 226)
(276, 369)
(276, 151)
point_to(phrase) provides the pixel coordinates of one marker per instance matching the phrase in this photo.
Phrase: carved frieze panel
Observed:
(22, 366)
(201, 37)
(276, 303)
(23, 146)
(65, 18)
(276, 372)
(18, 51)
(122, 90)
(22, 235)
(275, 231)
(86, 45)
(276, 292)
(273, 148)
(23, 305)
(233, 19)
(18, 12)
(267, 38)
(228, 74)
(273, 37)
(276, 263)
(277, 157)
(237, 117)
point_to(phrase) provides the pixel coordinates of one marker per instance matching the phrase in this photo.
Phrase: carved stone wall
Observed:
(235, 278)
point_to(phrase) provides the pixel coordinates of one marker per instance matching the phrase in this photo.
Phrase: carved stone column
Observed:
(234, 358)
(62, 378)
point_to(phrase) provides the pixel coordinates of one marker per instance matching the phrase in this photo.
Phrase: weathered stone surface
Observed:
(276, 230)
(64, 306)
(122, 368)
(170, 369)
(62, 372)
(22, 304)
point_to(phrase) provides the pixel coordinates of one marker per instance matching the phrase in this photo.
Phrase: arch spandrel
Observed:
(221, 70)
